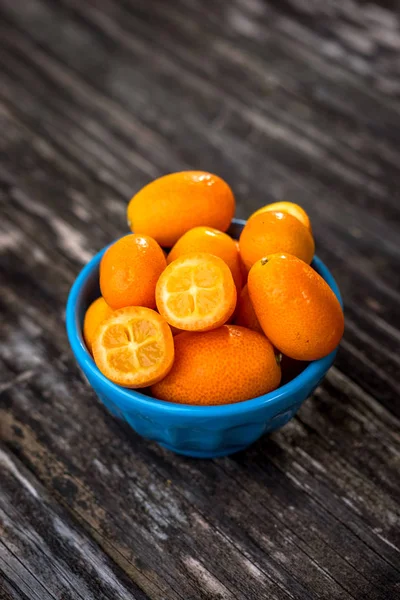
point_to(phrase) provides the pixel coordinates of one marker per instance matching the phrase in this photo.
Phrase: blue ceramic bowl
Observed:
(199, 431)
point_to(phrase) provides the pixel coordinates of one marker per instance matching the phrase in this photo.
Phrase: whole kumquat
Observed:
(129, 271)
(271, 232)
(228, 364)
(296, 308)
(168, 207)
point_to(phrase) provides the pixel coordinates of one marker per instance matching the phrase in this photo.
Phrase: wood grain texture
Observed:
(290, 99)
(44, 550)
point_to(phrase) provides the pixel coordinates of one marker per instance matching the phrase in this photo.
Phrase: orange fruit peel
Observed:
(245, 313)
(171, 205)
(226, 365)
(129, 271)
(243, 270)
(275, 231)
(134, 347)
(287, 207)
(97, 312)
(196, 292)
(296, 308)
(212, 241)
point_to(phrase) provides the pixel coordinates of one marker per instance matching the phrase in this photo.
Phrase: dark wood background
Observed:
(294, 99)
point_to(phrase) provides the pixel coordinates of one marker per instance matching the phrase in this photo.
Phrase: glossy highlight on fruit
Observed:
(296, 308)
(226, 365)
(168, 207)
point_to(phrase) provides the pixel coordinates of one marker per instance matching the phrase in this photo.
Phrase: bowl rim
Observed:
(129, 398)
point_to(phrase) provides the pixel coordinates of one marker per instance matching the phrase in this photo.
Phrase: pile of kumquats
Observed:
(198, 317)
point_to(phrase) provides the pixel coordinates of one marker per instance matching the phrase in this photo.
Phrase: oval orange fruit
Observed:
(287, 207)
(212, 241)
(97, 312)
(134, 347)
(171, 205)
(296, 308)
(129, 271)
(245, 313)
(271, 232)
(228, 364)
(196, 292)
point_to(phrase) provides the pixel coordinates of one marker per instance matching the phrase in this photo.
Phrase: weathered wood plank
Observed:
(285, 99)
(356, 268)
(51, 243)
(174, 37)
(223, 502)
(9, 592)
(101, 52)
(58, 559)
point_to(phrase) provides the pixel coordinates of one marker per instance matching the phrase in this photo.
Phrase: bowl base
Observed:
(205, 453)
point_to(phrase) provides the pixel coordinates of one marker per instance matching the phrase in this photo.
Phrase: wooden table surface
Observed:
(293, 99)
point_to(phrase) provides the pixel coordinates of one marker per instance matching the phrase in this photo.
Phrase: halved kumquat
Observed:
(196, 292)
(212, 241)
(134, 347)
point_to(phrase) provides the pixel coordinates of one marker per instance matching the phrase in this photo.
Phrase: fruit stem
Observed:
(278, 358)
(264, 261)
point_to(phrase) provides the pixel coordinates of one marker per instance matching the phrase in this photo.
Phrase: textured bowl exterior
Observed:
(198, 431)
